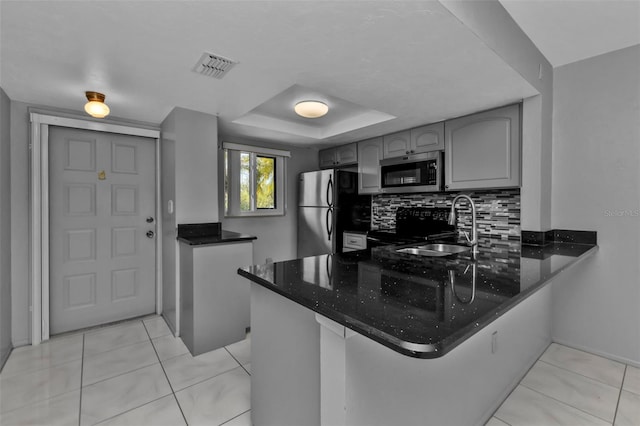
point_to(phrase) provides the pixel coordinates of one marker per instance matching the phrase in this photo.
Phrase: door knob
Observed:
(150, 234)
(149, 219)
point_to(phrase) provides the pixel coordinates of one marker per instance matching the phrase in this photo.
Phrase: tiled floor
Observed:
(571, 387)
(133, 373)
(137, 373)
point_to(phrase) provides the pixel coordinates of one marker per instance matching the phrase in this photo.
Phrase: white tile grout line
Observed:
(121, 374)
(582, 375)
(236, 360)
(235, 417)
(173, 392)
(615, 415)
(564, 403)
(165, 374)
(81, 378)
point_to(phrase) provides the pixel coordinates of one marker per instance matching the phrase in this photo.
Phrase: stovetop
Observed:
(415, 224)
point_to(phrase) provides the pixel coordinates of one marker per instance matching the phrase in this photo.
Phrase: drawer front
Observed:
(354, 241)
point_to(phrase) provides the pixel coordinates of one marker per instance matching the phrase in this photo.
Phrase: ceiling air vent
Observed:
(213, 65)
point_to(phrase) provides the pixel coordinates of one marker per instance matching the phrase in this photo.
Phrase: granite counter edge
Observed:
(423, 350)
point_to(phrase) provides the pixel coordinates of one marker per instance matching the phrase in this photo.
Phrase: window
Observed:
(253, 180)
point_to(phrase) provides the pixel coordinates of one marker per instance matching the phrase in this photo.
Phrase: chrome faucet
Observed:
(473, 241)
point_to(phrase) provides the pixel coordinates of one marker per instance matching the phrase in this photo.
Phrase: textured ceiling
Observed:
(412, 60)
(409, 59)
(567, 31)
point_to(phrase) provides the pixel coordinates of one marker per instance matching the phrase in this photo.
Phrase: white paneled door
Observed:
(102, 227)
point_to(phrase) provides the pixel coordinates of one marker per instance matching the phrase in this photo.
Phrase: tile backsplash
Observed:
(498, 210)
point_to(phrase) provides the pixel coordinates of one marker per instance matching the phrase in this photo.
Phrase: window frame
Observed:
(231, 172)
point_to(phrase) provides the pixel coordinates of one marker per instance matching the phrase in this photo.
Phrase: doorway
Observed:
(42, 124)
(101, 228)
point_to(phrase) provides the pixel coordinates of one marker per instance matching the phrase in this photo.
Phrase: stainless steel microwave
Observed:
(413, 173)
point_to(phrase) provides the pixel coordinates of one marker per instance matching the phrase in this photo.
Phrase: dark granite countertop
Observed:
(407, 302)
(223, 238)
(351, 231)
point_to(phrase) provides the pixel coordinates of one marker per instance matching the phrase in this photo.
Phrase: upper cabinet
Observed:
(327, 158)
(396, 144)
(369, 156)
(414, 141)
(338, 156)
(483, 150)
(427, 138)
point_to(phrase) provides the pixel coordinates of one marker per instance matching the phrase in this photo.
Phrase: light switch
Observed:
(170, 207)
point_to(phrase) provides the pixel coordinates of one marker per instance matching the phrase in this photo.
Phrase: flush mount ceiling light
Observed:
(311, 109)
(96, 106)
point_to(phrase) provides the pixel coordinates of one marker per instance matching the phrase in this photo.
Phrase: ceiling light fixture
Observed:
(96, 106)
(311, 109)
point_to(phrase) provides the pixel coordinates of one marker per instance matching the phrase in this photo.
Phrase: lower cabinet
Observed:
(369, 156)
(342, 155)
(285, 361)
(323, 373)
(214, 298)
(352, 241)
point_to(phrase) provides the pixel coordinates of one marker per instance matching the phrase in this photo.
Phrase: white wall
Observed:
(189, 164)
(20, 284)
(169, 230)
(196, 166)
(5, 228)
(596, 181)
(20, 229)
(277, 235)
(489, 20)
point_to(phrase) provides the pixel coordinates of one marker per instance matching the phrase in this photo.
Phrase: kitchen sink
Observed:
(435, 250)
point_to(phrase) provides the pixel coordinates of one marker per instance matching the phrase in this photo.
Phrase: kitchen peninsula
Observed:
(214, 300)
(343, 339)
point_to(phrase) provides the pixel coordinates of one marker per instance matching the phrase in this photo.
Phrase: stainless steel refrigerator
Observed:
(328, 205)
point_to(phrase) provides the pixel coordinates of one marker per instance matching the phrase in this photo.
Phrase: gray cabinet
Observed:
(343, 155)
(214, 298)
(396, 144)
(414, 141)
(352, 241)
(483, 150)
(327, 158)
(427, 138)
(285, 361)
(369, 154)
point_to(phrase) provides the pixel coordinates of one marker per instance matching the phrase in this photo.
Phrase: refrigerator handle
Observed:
(327, 221)
(330, 192)
(330, 270)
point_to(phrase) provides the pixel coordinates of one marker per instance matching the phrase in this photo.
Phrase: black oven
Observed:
(412, 173)
(414, 224)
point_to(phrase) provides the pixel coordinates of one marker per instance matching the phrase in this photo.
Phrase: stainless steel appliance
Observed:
(328, 204)
(413, 173)
(415, 224)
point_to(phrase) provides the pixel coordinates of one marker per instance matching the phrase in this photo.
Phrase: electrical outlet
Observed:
(494, 342)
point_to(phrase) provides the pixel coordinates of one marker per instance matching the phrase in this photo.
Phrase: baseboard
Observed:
(23, 342)
(3, 359)
(171, 327)
(607, 355)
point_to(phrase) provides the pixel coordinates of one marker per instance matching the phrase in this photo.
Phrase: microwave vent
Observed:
(215, 66)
